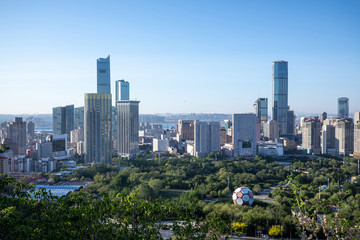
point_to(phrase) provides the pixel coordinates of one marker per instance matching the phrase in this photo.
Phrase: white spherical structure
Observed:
(243, 196)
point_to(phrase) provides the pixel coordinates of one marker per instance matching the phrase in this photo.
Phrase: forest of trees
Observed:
(131, 199)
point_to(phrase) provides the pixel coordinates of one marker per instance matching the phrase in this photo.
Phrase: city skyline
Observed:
(180, 57)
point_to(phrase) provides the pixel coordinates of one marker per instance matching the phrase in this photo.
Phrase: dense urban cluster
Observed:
(105, 171)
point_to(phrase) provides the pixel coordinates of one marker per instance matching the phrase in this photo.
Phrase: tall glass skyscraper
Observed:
(103, 75)
(343, 107)
(280, 94)
(122, 90)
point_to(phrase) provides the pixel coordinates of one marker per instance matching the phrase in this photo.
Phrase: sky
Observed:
(183, 56)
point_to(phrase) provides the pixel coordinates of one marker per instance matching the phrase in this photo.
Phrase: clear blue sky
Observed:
(180, 56)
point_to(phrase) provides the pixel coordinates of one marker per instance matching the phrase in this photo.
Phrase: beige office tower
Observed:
(344, 136)
(271, 130)
(186, 130)
(311, 135)
(97, 127)
(356, 117)
(357, 139)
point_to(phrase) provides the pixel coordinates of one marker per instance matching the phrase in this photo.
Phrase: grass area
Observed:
(171, 193)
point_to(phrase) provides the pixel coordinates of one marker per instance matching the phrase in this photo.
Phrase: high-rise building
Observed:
(128, 127)
(122, 90)
(328, 140)
(357, 139)
(103, 75)
(280, 94)
(323, 117)
(344, 136)
(261, 111)
(17, 134)
(185, 130)
(291, 124)
(311, 135)
(97, 128)
(244, 134)
(77, 135)
(271, 130)
(206, 138)
(79, 117)
(356, 117)
(343, 107)
(114, 123)
(31, 129)
(63, 120)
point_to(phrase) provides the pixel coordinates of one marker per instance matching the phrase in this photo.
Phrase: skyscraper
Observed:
(63, 120)
(122, 90)
(17, 133)
(128, 127)
(261, 111)
(206, 138)
(244, 134)
(343, 107)
(344, 136)
(78, 117)
(97, 129)
(280, 94)
(311, 135)
(103, 75)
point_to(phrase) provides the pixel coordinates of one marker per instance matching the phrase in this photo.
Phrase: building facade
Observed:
(122, 90)
(185, 130)
(97, 128)
(244, 134)
(280, 94)
(103, 75)
(63, 120)
(261, 111)
(311, 135)
(78, 117)
(206, 138)
(344, 136)
(17, 134)
(343, 107)
(128, 128)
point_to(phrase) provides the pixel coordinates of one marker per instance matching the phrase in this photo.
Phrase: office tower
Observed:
(128, 128)
(357, 139)
(103, 75)
(261, 111)
(344, 136)
(31, 129)
(323, 117)
(78, 117)
(356, 117)
(291, 124)
(122, 91)
(97, 128)
(343, 107)
(63, 120)
(271, 130)
(311, 135)
(244, 134)
(206, 138)
(227, 125)
(114, 124)
(77, 135)
(280, 94)
(186, 130)
(328, 139)
(80, 148)
(17, 134)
